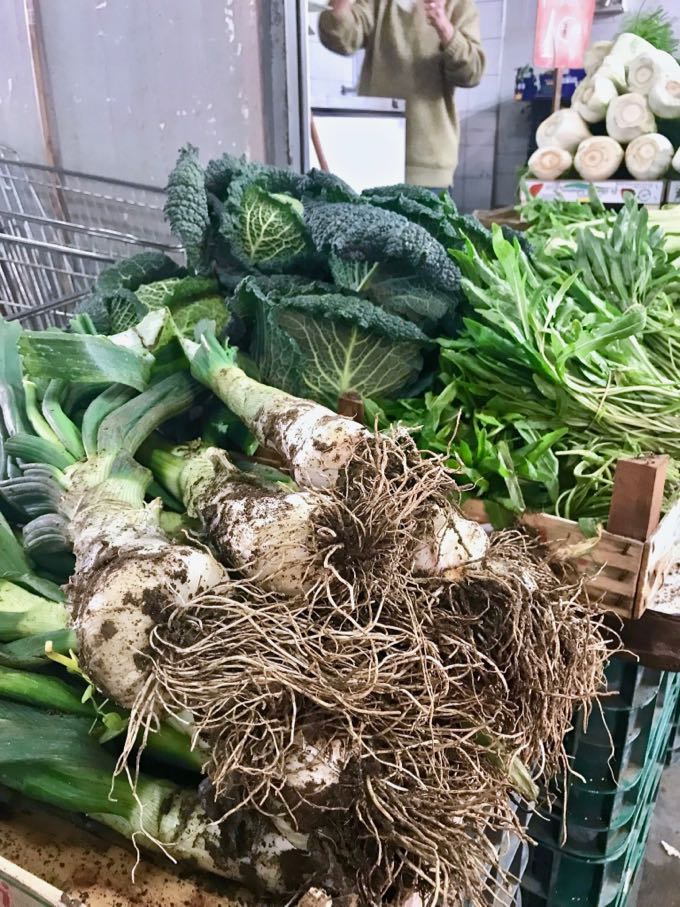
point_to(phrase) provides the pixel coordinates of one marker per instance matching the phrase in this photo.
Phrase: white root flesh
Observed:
(628, 117)
(649, 157)
(598, 158)
(550, 163)
(676, 161)
(595, 56)
(564, 129)
(117, 607)
(664, 97)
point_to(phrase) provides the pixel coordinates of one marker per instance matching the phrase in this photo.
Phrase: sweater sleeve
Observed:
(463, 56)
(349, 31)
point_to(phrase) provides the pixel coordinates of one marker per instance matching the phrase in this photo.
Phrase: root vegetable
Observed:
(594, 99)
(549, 163)
(648, 68)
(676, 161)
(664, 97)
(649, 157)
(398, 501)
(628, 117)
(564, 129)
(614, 69)
(595, 56)
(598, 158)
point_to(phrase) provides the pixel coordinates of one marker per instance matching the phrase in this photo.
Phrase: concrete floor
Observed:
(658, 884)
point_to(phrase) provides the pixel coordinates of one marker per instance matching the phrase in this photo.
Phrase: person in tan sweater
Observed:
(421, 51)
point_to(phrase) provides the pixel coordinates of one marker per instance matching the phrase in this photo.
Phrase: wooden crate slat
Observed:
(619, 572)
(617, 559)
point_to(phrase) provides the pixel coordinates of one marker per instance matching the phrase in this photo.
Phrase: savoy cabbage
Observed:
(317, 342)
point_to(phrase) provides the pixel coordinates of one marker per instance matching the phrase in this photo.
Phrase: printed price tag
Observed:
(562, 32)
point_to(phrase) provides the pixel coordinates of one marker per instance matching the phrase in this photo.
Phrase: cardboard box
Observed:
(610, 192)
(47, 861)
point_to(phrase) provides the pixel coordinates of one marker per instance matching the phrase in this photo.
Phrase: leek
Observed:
(24, 614)
(16, 566)
(53, 759)
(319, 447)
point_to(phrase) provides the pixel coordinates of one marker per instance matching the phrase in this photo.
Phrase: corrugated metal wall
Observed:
(133, 80)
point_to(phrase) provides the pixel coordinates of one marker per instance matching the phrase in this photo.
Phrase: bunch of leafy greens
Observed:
(130, 289)
(563, 365)
(655, 26)
(332, 291)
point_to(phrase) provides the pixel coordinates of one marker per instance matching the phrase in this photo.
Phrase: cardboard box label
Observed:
(610, 191)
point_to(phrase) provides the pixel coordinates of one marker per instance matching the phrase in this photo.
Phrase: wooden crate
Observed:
(506, 217)
(626, 565)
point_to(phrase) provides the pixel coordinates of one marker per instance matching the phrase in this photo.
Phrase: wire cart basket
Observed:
(60, 228)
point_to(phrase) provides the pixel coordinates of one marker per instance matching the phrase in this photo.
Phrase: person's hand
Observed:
(436, 16)
(339, 7)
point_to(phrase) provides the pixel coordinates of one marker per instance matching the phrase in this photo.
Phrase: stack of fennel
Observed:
(625, 112)
(362, 676)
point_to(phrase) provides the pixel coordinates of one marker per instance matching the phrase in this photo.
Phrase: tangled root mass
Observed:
(359, 715)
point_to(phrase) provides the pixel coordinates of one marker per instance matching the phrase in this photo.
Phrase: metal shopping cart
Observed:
(60, 228)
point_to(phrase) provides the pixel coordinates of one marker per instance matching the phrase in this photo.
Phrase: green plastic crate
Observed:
(555, 877)
(609, 816)
(591, 842)
(600, 823)
(629, 684)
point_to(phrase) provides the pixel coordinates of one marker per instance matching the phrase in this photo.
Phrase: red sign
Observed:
(562, 33)
(5, 895)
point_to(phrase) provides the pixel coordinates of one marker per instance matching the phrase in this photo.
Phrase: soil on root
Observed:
(410, 798)
(549, 645)
(372, 524)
